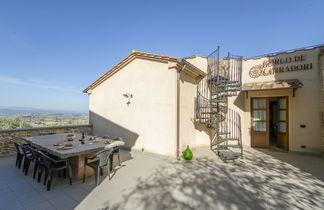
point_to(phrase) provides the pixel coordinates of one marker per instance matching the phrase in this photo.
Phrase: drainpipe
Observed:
(178, 111)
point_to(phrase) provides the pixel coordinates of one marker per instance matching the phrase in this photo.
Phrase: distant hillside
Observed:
(5, 110)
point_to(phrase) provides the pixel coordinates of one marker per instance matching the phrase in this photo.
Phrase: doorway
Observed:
(269, 120)
(273, 129)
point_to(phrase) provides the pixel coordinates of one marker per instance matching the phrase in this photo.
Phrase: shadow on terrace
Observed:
(103, 126)
(306, 163)
(259, 181)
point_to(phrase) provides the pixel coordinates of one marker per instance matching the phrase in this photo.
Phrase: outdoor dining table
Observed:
(78, 151)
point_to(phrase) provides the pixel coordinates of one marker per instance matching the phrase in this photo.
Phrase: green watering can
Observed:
(187, 154)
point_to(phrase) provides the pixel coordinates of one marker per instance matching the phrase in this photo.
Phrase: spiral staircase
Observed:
(223, 80)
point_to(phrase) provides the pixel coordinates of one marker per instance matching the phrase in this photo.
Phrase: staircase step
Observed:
(232, 90)
(227, 82)
(208, 107)
(228, 154)
(226, 146)
(211, 126)
(227, 89)
(229, 85)
(222, 94)
(217, 77)
(229, 139)
(209, 112)
(217, 100)
(224, 133)
(228, 95)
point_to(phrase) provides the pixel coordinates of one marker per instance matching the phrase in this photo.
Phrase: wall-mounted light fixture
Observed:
(128, 96)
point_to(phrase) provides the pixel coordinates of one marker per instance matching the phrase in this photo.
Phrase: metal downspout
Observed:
(178, 112)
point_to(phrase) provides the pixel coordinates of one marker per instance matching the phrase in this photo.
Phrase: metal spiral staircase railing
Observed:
(223, 80)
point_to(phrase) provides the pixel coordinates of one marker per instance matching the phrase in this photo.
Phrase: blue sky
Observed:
(51, 50)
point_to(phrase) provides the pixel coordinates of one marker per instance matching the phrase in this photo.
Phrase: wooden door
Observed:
(283, 123)
(260, 122)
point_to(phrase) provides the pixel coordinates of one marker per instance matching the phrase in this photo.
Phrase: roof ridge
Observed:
(286, 51)
(194, 56)
(153, 54)
(134, 54)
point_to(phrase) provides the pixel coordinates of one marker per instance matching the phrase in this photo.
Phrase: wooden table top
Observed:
(46, 143)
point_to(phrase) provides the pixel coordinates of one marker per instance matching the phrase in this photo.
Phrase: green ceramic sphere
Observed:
(187, 154)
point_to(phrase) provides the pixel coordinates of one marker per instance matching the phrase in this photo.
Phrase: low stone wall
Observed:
(7, 136)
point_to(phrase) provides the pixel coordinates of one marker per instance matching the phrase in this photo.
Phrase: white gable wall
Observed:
(149, 121)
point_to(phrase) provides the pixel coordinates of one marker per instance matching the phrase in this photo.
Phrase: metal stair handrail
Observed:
(223, 80)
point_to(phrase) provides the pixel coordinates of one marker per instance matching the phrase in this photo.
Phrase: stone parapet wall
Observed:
(8, 136)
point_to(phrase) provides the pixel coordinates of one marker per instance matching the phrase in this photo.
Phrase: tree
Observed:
(13, 122)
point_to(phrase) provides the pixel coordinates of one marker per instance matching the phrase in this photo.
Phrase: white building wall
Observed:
(191, 133)
(305, 107)
(198, 61)
(149, 121)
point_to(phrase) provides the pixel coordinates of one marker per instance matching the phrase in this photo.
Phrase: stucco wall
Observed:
(149, 121)
(304, 108)
(191, 133)
(8, 136)
(198, 61)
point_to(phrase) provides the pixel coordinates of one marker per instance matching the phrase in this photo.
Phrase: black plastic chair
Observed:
(21, 153)
(28, 158)
(102, 160)
(52, 165)
(39, 161)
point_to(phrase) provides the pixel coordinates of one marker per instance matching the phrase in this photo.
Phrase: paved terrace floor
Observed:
(264, 179)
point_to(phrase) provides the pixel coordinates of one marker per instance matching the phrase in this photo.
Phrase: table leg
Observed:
(77, 164)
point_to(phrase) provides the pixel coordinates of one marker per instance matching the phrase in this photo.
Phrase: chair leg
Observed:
(108, 175)
(46, 176)
(118, 157)
(35, 169)
(20, 160)
(69, 171)
(17, 159)
(49, 181)
(24, 163)
(111, 159)
(40, 172)
(27, 166)
(97, 176)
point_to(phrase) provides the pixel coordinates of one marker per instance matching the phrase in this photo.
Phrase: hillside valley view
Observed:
(20, 117)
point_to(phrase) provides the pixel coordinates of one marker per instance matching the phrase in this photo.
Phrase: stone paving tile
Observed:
(44, 205)
(8, 200)
(262, 180)
(62, 202)
(30, 198)
(77, 193)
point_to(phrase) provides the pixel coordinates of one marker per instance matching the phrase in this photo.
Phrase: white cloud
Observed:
(36, 84)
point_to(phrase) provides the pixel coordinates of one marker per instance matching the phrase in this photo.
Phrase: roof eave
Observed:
(191, 67)
(125, 61)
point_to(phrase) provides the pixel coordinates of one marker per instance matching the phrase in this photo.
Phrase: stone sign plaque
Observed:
(280, 65)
